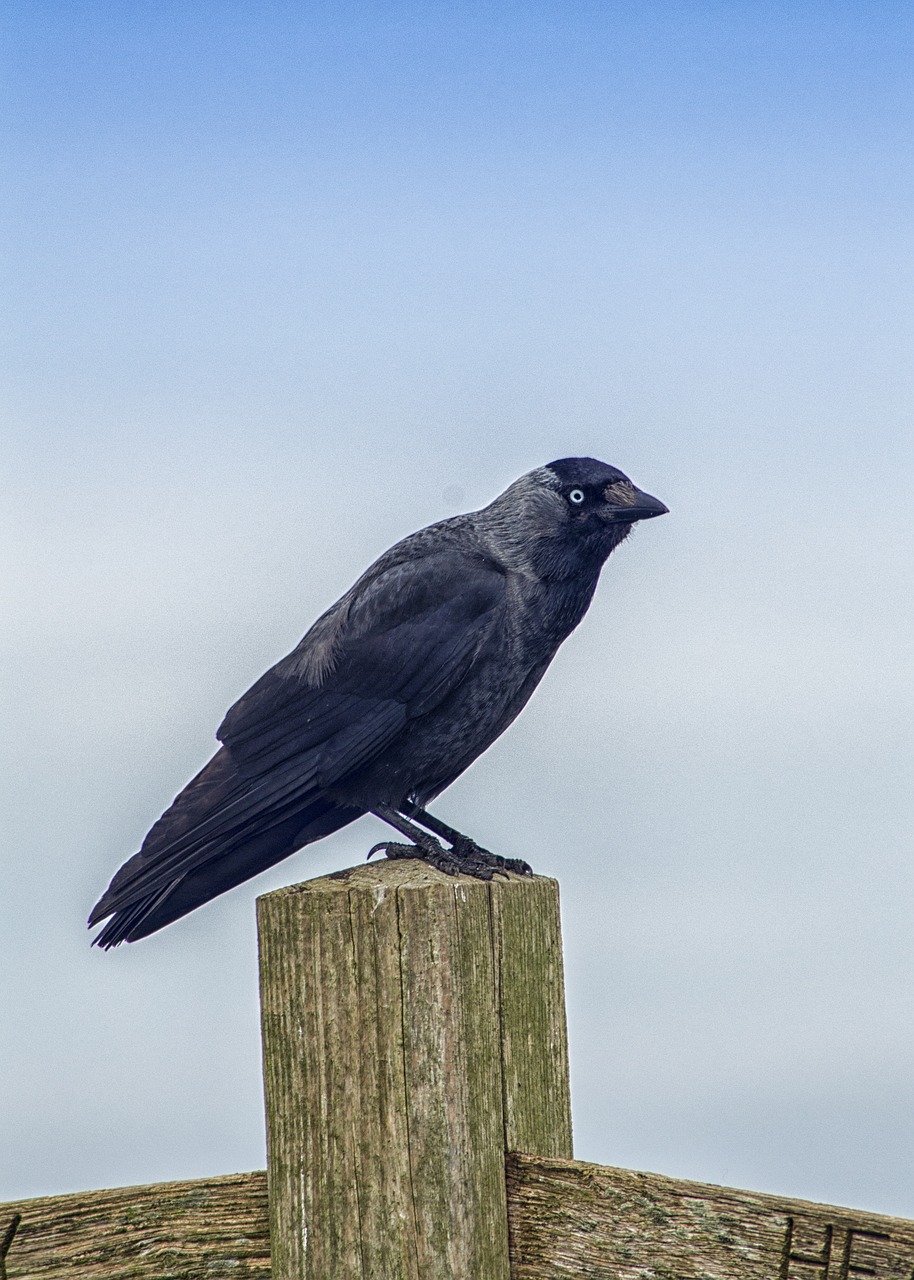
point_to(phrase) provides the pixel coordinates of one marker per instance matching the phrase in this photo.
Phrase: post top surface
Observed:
(388, 875)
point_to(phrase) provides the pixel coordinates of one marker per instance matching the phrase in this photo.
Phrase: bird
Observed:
(393, 692)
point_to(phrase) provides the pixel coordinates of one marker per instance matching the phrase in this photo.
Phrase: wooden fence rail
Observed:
(568, 1220)
(414, 1045)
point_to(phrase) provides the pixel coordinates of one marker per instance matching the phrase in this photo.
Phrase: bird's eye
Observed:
(576, 497)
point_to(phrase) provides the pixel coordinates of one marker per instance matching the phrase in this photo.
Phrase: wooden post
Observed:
(413, 1032)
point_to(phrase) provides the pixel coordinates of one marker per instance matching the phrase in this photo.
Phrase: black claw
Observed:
(392, 850)
(472, 856)
(434, 854)
(465, 857)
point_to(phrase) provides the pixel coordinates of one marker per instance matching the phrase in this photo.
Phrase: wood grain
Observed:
(171, 1231)
(413, 1025)
(534, 1034)
(414, 1030)
(570, 1219)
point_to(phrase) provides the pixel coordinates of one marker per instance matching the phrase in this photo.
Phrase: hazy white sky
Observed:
(285, 282)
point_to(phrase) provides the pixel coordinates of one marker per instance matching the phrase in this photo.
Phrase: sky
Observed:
(284, 282)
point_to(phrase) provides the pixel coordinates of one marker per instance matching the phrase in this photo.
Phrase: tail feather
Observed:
(216, 808)
(220, 831)
(123, 924)
(214, 811)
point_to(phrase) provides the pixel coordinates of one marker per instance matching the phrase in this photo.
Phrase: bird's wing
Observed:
(404, 637)
(407, 634)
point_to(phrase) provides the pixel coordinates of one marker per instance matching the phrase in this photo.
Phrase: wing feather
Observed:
(391, 649)
(409, 635)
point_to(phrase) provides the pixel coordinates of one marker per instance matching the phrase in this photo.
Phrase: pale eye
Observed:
(576, 497)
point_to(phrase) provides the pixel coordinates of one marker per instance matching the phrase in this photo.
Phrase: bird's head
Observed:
(573, 510)
(593, 494)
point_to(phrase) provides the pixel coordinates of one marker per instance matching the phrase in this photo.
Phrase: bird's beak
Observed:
(625, 506)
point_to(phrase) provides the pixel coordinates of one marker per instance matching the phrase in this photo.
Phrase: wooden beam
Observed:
(414, 1029)
(569, 1221)
(573, 1220)
(171, 1231)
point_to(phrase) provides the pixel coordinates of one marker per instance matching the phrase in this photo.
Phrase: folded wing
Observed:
(397, 644)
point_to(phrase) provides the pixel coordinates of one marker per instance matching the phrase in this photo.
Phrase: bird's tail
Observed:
(221, 830)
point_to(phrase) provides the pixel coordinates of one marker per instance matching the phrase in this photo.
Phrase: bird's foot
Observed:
(465, 857)
(472, 856)
(429, 851)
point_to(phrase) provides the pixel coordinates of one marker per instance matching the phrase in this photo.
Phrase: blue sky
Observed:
(285, 282)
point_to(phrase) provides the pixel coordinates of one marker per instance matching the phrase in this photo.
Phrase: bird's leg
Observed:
(466, 851)
(424, 847)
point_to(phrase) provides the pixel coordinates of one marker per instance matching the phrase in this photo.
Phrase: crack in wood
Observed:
(6, 1242)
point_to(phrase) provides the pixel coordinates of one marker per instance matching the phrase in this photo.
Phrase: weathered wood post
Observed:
(413, 1032)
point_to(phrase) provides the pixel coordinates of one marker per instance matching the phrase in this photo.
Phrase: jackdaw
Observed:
(393, 692)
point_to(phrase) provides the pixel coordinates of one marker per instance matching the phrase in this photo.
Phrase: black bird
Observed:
(393, 692)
